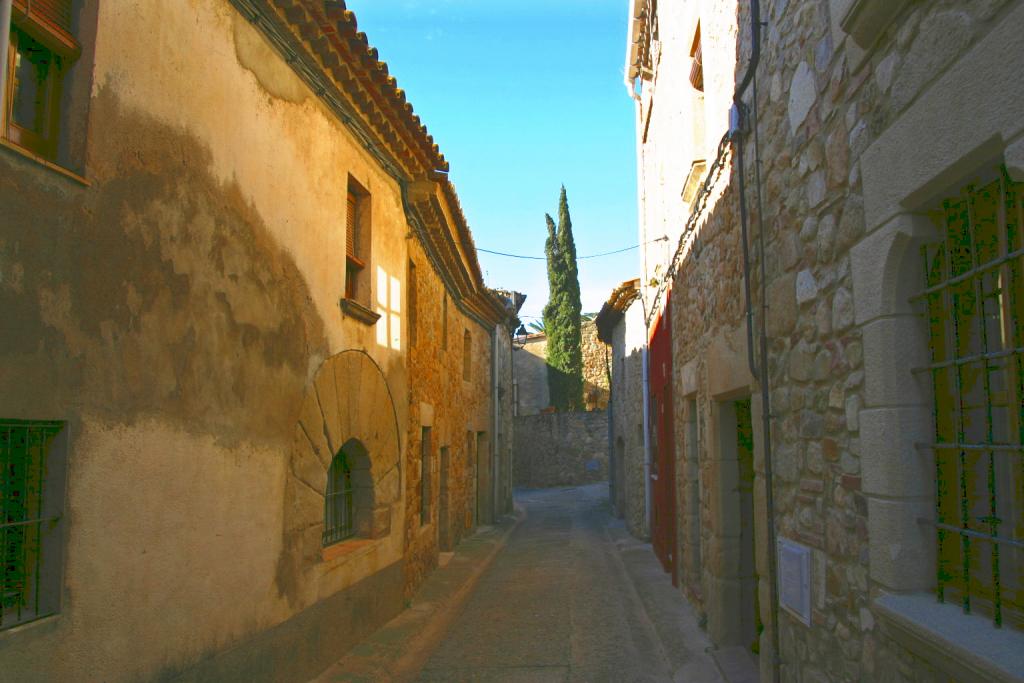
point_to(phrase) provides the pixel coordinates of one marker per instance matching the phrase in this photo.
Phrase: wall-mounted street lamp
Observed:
(519, 337)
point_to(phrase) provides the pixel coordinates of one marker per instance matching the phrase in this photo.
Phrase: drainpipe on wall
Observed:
(612, 485)
(742, 119)
(5, 42)
(647, 442)
(513, 396)
(495, 415)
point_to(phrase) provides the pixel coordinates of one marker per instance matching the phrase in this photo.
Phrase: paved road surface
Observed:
(573, 598)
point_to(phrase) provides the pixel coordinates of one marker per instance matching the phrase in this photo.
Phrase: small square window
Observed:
(357, 244)
(40, 51)
(33, 457)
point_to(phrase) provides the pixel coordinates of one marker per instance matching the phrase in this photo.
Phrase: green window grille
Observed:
(31, 499)
(338, 508)
(974, 298)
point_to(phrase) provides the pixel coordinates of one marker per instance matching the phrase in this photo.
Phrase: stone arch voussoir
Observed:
(348, 399)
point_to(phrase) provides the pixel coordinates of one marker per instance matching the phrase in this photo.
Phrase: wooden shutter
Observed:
(697, 68)
(48, 21)
(350, 226)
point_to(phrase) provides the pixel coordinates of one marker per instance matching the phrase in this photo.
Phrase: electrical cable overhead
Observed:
(578, 258)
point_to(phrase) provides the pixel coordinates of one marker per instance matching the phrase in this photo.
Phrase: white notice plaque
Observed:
(795, 579)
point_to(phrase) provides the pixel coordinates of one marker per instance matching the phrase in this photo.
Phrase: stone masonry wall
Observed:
(532, 372)
(595, 368)
(531, 376)
(560, 449)
(626, 407)
(824, 103)
(457, 411)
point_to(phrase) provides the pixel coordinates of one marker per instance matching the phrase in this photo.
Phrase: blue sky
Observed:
(522, 97)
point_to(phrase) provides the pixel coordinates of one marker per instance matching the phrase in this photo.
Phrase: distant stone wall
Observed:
(531, 376)
(532, 372)
(595, 369)
(561, 449)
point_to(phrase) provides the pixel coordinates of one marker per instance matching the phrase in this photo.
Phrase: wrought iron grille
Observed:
(24, 522)
(338, 512)
(974, 298)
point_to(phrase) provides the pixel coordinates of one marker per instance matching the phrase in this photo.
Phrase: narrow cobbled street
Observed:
(572, 597)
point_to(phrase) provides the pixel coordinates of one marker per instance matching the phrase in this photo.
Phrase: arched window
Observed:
(349, 498)
(339, 518)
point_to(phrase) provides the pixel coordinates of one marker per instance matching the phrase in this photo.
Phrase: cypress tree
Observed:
(552, 328)
(562, 313)
(572, 340)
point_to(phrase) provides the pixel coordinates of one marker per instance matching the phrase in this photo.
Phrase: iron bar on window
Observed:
(338, 517)
(24, 447)
(971, 283)
(970, 532)
(963, 277)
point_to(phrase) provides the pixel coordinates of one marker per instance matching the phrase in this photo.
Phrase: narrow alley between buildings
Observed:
(570, 597)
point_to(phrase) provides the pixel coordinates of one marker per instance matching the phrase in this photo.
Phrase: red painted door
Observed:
(663, 490)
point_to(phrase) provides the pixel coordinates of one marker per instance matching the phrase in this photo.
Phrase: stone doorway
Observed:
(751, 624)
(733, 606)
(446, 533)
(483, 471)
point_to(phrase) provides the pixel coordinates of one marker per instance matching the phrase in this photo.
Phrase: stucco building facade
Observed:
(620, 325)
(871, 200)
(225, 241)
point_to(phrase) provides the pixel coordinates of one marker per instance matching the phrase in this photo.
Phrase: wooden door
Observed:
(663, 489)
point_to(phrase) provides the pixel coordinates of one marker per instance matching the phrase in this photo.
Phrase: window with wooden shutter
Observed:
(357, 243)
(48, 21)
(697, 67)
(351, 226)
(41, 48)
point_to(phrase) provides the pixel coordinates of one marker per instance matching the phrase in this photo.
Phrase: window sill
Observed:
(965, 646)
(44, 624)
(346, 549)
(353, 309)
(32, 156)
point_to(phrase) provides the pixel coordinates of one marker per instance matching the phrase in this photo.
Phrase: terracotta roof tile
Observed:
(330, 31)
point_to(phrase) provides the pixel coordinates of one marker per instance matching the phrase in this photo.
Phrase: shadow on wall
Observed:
(531, 372)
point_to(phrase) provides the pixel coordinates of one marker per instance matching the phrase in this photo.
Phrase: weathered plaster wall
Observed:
(626, 415)
(849, 139)
(175, 312)
(560, 449)
(532, 376)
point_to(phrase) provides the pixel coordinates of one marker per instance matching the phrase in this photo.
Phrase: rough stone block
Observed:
(782, 308)
(806, 287)
(802, 94)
